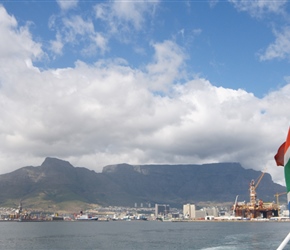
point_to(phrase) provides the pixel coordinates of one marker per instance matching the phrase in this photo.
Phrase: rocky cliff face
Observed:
(190, 183)
(123, 184)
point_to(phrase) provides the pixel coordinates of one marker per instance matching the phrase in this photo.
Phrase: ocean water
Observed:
(143, 235)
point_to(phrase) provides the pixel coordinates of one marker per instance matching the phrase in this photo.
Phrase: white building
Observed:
(213, 211)
(200, 214)
(189, 211)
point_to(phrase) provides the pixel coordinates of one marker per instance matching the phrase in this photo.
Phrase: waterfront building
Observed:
(212, 211)
(189, 211)
(200, 214)
(161, 210)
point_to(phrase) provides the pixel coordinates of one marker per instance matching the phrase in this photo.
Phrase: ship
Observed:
(86, 217)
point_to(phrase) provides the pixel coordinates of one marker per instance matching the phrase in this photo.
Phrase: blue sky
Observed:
(104, 82)
(223, 42)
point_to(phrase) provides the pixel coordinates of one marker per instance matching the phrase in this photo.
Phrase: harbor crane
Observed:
(277, 199)
(236, 202)
(253, 187)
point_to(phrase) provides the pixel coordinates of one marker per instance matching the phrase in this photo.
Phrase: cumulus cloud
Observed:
(257, 8)
(18, 39)
(67, 4)
(56, 45)
(123, 16)
(73, 30)
(119, 17)
(167, 65)
(108, 112)
(280, 49)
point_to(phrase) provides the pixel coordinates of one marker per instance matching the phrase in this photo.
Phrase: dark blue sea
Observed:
(143, 235)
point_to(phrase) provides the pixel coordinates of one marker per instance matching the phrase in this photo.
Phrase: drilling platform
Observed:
(255, 208)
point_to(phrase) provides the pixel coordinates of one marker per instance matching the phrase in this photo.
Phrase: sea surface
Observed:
(143, 235)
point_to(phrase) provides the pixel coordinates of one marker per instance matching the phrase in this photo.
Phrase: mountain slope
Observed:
(190, 183)
(57, 181)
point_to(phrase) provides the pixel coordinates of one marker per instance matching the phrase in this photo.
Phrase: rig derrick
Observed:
(255, 208)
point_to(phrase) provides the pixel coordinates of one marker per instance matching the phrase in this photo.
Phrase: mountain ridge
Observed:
(57, 181)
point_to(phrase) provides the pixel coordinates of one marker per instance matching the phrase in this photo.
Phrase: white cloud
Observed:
(123, 16)
(19, 40)
(100, 42)
(260, 9)
(75, 30)
(167, 65)
(257, 8)
(67, 4)
(280, 49)
(57, 45)
(196, 32)
(106, 113)
(120, 18)
(76, 25)
(213, 3)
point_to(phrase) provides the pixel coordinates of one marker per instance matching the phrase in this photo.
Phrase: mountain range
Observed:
(56, 184)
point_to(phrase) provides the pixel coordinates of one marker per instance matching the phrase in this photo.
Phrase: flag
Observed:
(282, 158)
(279, 157)
(287, 161)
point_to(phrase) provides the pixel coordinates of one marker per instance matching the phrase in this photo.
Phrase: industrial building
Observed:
(190, 212)
(161, 210)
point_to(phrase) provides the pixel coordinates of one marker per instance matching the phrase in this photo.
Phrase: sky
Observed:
(141, 82)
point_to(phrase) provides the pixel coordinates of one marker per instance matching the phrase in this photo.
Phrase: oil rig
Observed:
(255, 208)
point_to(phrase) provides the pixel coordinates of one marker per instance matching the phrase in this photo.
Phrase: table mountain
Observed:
(57, 181)
(178, 184)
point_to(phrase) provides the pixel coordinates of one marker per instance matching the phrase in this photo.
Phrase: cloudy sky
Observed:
(106, 82)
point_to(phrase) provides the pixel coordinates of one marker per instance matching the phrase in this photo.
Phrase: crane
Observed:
(277, 199)
(259, 180)
(234, 210)
(253, 186)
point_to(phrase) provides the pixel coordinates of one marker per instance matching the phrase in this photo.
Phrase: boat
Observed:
(86, 217)
(57, 218)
